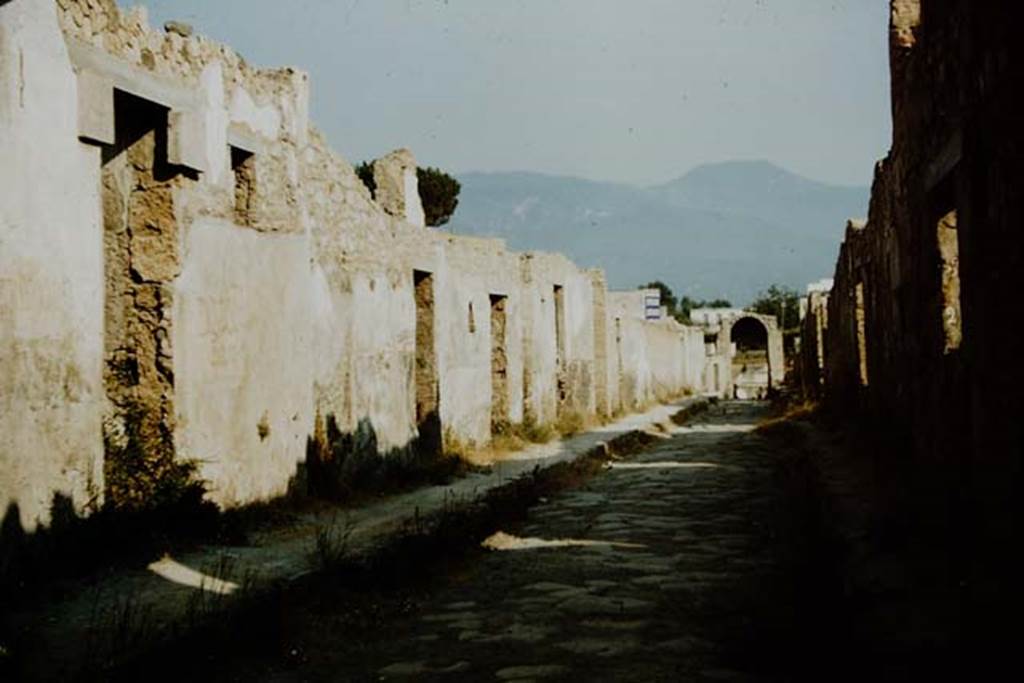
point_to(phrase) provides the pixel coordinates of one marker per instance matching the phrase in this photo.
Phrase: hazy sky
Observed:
(628, 90)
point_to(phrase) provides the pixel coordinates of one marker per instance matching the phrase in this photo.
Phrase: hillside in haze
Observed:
(728, 229)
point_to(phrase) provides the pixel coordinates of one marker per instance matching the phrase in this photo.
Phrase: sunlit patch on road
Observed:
(502, 541)
(663, 465)
(738, 428)
(175, 572)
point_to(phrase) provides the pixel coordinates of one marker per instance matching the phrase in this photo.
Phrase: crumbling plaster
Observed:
(259, 287)
(553, 387)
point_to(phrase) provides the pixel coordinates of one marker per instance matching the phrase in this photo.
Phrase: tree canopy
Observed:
(782, 302)
(439, 193)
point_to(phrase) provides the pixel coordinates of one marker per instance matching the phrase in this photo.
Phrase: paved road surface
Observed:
(679, 563)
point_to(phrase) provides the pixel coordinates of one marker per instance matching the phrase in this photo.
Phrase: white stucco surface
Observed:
(244, 365)
(51, 275)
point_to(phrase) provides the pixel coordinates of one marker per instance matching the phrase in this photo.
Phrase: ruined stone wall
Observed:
(207, 254)
(558, 307)
(480, 271)
(191, 275)
(364, 312)
(849, 308)
(810, 362)
(395, 187)
(918, 338)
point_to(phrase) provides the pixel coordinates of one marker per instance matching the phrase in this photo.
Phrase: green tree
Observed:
(439, 193)
(782, 302)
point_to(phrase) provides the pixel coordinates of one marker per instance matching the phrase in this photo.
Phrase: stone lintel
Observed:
(186, 140)
(95, 107)
(244, 138)
(99, 74)
(132, 79)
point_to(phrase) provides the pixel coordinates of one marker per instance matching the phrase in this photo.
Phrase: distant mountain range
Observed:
(729, 229)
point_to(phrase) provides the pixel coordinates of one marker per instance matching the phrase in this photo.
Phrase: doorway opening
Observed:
(750, 367)
(428, 420)
(560, 370)
(499, 363)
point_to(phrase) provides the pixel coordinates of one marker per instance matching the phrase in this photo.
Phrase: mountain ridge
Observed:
(724, 229)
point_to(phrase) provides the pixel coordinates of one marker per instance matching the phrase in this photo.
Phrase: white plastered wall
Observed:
(51, 275)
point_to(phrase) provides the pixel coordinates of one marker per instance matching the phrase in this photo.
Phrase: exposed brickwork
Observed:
(141, 239)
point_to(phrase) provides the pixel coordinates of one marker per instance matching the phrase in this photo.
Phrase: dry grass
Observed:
(331, 545)
(791, 412)
(781, 422)
(570, 423)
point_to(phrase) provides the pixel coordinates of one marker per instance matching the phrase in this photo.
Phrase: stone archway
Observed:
(753, 346)
(751, 371)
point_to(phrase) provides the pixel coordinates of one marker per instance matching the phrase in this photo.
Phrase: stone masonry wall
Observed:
(810, 364)
(919, 335)
(190, 274)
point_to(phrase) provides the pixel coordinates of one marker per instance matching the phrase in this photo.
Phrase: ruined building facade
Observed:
(188, 273)
(809, 364)
(744, 352)
(919, 333)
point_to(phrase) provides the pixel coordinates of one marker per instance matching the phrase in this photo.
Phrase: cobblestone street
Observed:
(674, 564)
(510, 341)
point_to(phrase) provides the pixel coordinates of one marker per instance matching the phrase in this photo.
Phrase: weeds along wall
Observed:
(191, 276)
